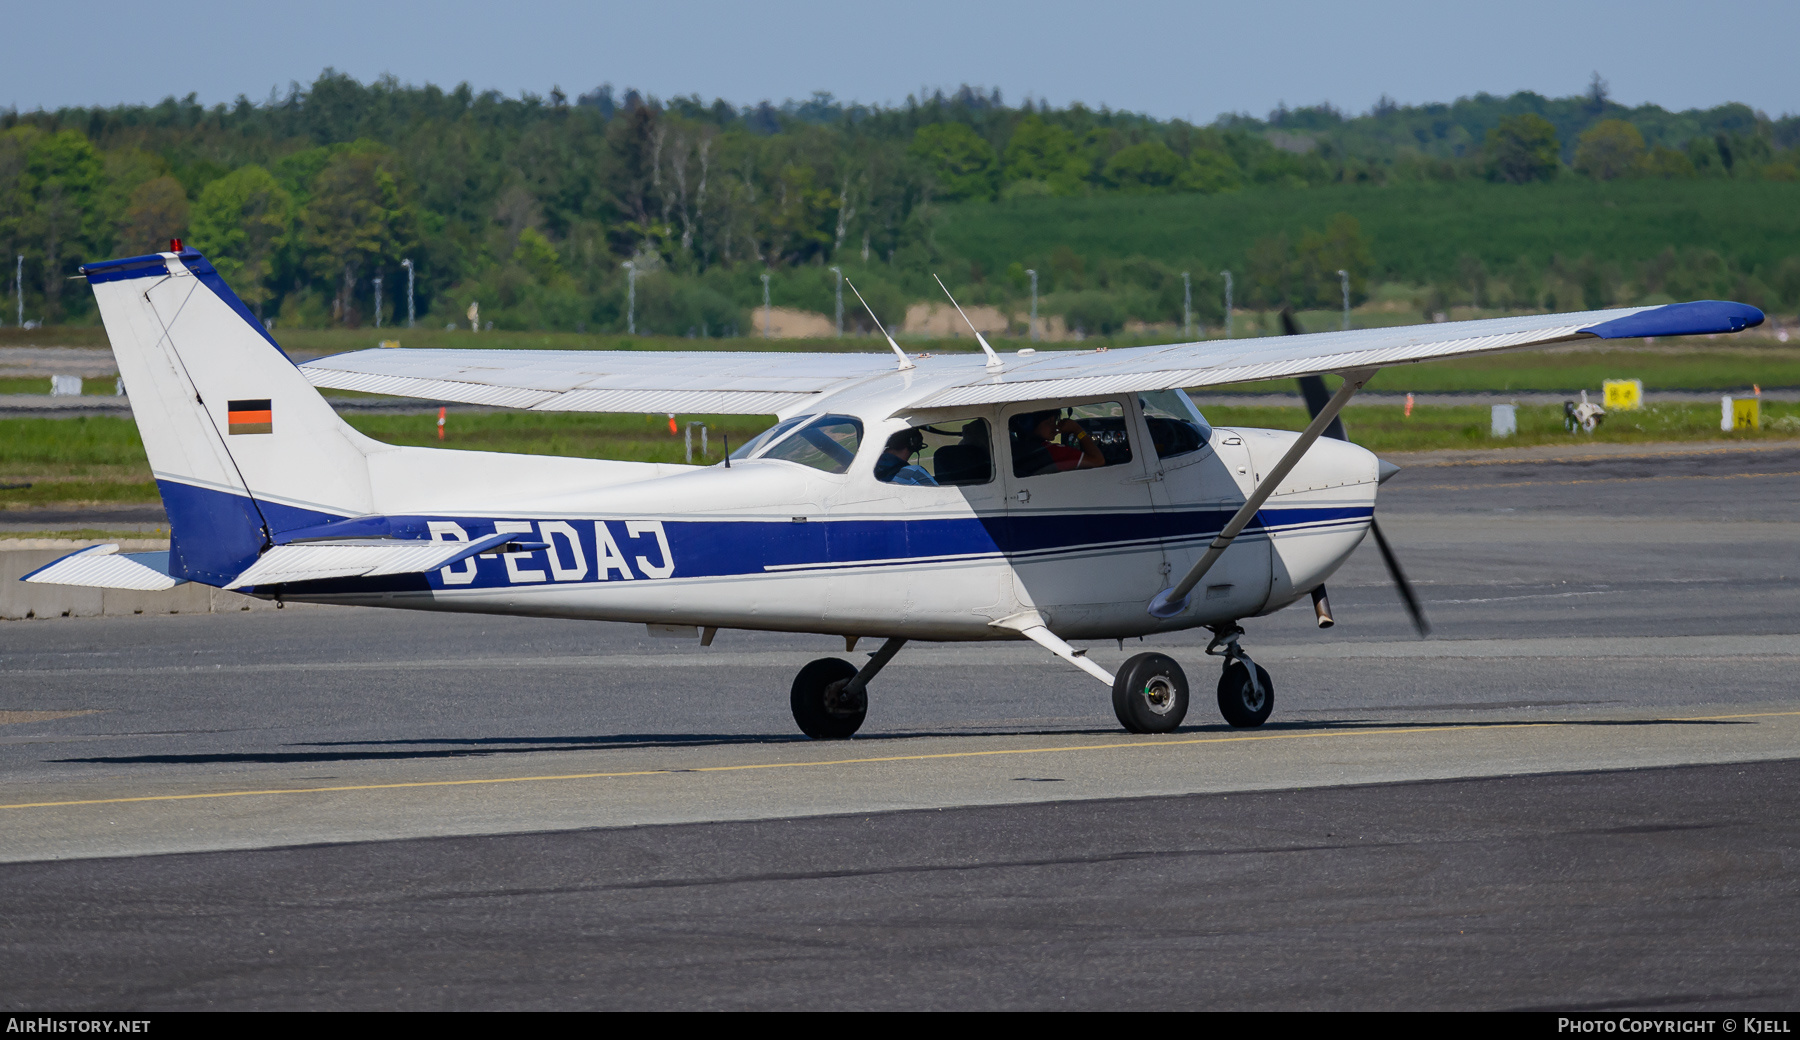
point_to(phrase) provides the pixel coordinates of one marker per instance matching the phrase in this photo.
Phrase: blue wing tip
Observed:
(1701, 317)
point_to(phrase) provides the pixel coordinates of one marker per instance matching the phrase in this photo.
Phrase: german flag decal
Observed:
(250, 417)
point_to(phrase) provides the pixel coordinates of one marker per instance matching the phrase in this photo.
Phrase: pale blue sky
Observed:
(1188, 60)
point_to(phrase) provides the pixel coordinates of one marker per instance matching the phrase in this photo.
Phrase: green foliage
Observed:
(242, 222)
(1210, 172)
(158, 212)
(1044, 155)
(355, 217)
(1149, 166)
(53, 203)
(1610, 149)
(1416, 233)
(530, 204)
(1304, 273)
(963, 165)
(1522, 148)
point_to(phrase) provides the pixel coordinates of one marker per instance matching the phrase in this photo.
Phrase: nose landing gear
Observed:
(830, 696)
(1246, 694)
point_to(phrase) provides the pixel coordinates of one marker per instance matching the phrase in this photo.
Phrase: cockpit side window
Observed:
(1056, 440)
(954, 453)
(827, 443)
(1176, 426)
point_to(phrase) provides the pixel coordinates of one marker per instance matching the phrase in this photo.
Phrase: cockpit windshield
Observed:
(768, 436)
(1176, 426)
(822, 442)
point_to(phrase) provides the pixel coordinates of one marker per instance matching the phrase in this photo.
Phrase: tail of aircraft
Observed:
(243, 448)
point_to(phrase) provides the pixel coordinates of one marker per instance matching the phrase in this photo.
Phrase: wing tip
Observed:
(1700, 317)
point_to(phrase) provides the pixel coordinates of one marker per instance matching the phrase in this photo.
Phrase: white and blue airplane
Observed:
(1055, 496)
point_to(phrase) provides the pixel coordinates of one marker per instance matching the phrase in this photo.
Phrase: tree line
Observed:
(555, 212)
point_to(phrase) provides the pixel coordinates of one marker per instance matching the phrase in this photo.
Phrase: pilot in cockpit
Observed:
(1036, 451)
(895, 466)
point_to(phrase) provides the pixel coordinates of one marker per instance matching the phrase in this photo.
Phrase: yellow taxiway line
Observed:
(1134, 745)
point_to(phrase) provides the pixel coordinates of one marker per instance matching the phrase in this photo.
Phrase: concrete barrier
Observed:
(20, 600)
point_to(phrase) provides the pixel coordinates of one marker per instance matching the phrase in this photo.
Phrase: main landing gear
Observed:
(830, 697)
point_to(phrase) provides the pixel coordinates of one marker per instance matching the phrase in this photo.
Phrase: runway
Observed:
(1577, 793)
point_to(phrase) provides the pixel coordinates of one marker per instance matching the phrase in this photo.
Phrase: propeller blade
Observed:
(1407, 595)
(1313, 388)
(1317, 395)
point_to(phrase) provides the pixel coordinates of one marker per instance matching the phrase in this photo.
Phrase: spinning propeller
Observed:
(1317, 394)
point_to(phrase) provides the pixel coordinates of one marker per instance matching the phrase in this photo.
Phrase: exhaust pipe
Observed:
(1322, 607)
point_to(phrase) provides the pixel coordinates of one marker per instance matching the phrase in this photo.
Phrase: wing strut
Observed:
(1172, 601)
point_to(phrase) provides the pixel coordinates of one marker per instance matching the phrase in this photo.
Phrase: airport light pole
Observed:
(1187, 305)
(1034, 328)
(630, 296)
(1227, 275)
(768, 312)
(378, 301)
(408, 264)
(840, 301)
(19, 288)
(1344, 280)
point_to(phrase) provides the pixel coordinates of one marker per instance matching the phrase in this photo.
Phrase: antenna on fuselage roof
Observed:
(905, 362)
(993, 360)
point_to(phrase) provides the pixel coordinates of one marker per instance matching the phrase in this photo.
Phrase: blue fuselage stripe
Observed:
(217, 537)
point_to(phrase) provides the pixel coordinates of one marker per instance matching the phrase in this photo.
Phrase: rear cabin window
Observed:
(1060, 440)
(956, 453)
(827, 443)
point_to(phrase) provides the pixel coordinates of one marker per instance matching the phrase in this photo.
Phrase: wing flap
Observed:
(691, 382)
(104, 567)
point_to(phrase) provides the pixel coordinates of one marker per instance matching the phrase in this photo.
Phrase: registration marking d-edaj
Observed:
(1055, 496)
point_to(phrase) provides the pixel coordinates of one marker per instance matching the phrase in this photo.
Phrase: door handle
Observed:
(1025, 496)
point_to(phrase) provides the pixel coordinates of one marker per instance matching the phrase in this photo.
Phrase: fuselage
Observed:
(772, 544)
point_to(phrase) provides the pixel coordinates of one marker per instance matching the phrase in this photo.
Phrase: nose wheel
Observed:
(1246, 694)
(831, 695)
(824, 705)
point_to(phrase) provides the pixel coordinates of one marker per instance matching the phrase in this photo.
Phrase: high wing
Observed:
(765, 382)
(1220, 362)
(689, 382)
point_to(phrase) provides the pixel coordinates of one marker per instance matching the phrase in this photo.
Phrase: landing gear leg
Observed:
(1246, 694)
(830, 696)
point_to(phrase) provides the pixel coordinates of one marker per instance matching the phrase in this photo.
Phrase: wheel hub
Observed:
(1251, 692)
(839, 704)
(1159, 695)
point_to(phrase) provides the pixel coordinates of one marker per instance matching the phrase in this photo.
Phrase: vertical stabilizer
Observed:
(241, 445)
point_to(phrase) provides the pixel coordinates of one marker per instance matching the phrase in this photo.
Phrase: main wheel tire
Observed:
(1150, 694)
(1239, 702)
(819, 705)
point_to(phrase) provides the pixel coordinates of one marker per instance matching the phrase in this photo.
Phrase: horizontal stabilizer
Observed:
(368, 558)
(104, 567)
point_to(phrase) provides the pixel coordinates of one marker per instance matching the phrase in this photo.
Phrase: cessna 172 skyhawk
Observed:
(1056, 496)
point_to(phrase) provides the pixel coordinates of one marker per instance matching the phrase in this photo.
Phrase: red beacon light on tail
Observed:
(174, 245)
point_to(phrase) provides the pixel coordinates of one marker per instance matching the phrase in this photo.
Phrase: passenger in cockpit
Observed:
(895, 466)
(1036, 451)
